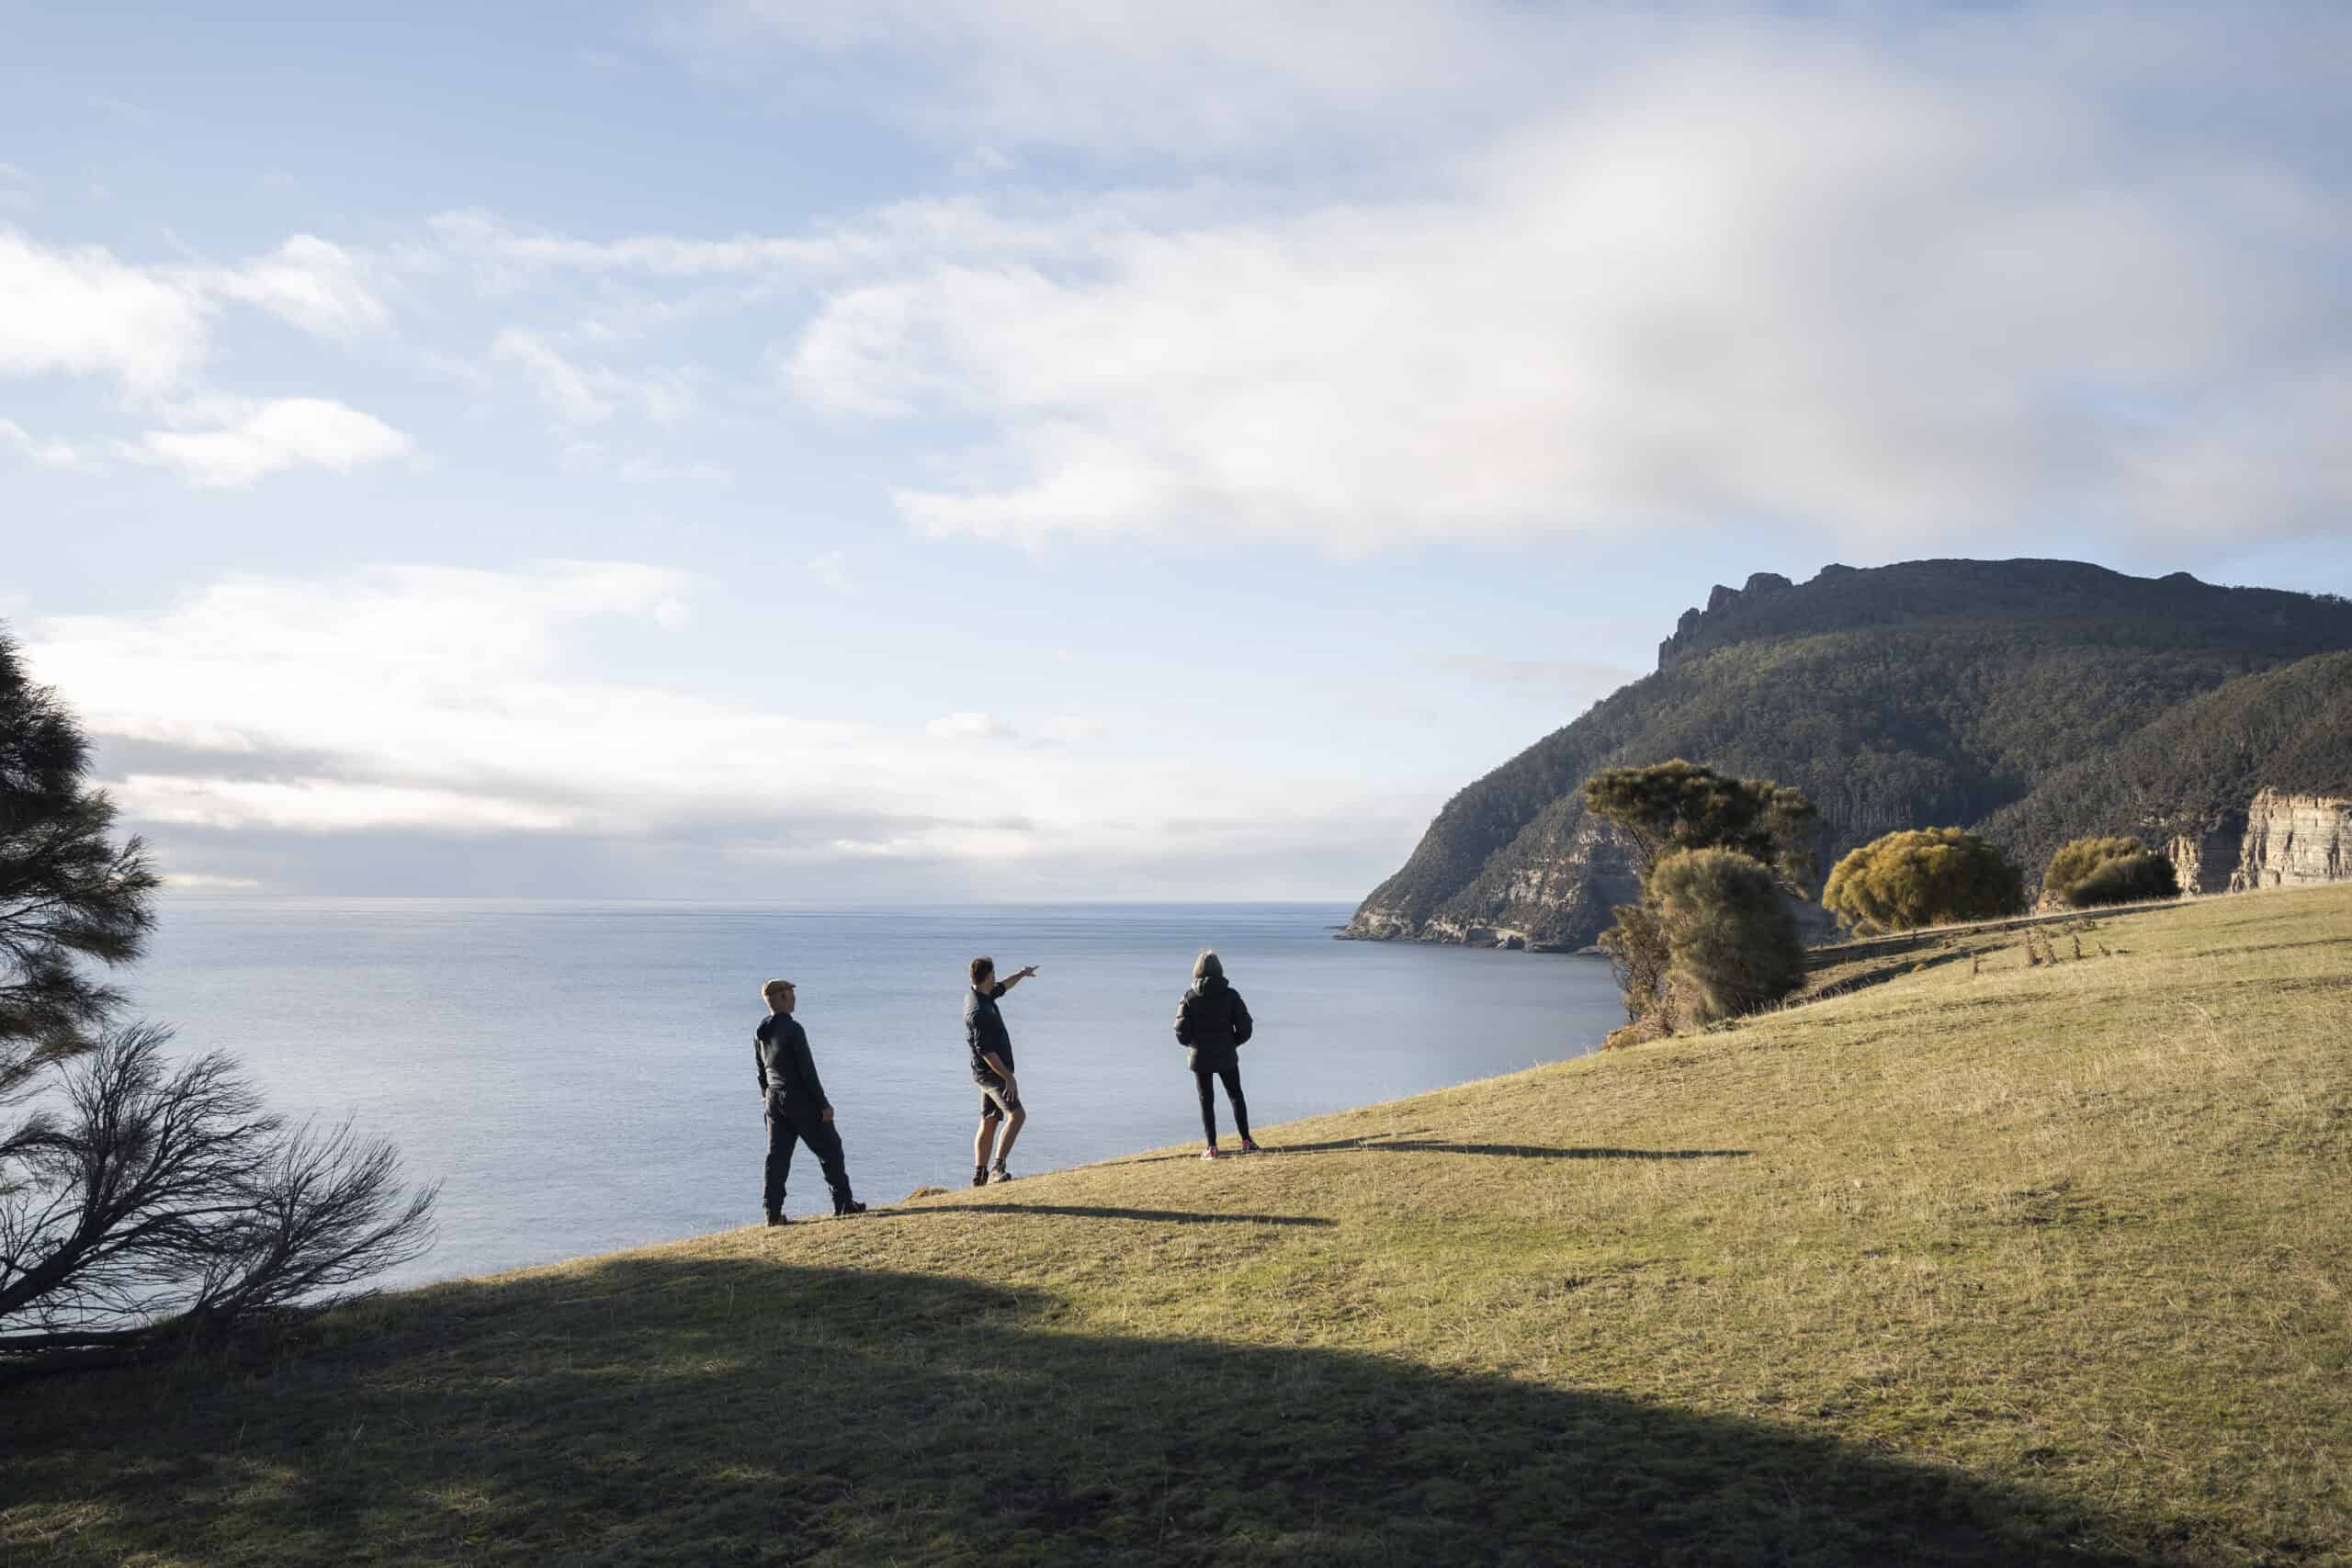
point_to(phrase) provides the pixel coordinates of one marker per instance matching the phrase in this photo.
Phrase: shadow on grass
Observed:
(1093, 1212)
(1431, 1146)
(745, 1409)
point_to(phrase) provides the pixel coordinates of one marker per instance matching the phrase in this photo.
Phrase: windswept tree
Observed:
(70, 899)
(1923, 877)
(1684, 806)
(1671, 809)
(140, 1202)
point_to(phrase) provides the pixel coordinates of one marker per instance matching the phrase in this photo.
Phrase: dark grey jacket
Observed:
(780, 1050)
(1215, 1021)
(984, 1030)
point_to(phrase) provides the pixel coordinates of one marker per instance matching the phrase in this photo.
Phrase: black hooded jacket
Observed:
(1215, 1021)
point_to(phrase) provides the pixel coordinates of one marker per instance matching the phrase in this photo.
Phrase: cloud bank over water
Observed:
(424, 729)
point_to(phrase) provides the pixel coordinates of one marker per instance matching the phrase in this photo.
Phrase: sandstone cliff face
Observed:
(2292, 840)
(2204, 860)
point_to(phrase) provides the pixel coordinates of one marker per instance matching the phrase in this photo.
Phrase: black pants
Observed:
(1205, 1077)
(792, 1122)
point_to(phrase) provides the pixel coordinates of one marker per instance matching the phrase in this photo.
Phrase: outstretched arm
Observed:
(1014, 978)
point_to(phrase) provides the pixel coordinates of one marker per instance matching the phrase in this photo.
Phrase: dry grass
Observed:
(2031, 1263)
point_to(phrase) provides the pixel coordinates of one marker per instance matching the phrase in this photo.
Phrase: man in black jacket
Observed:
(798, 1110)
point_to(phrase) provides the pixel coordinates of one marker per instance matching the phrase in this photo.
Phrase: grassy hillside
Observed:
(2017, 1265)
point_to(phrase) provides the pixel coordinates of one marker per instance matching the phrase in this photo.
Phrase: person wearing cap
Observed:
(797, 1111)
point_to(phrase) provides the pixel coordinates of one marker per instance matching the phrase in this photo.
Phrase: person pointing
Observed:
(991, 1048)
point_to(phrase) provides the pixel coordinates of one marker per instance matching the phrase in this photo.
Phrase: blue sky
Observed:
(927, 448)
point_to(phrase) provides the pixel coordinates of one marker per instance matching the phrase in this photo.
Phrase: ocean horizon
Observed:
(577, 1072)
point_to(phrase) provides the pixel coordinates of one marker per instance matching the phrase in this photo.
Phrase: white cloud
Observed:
(49, 454)
(317, 286)
(250, 439)
(435, 701)
(323, 806)
(581, 394)
(203, 881)
(82, 312)
(1777, 278)
(968, 727)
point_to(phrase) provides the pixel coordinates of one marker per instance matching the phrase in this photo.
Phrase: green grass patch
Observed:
(1981, 1263)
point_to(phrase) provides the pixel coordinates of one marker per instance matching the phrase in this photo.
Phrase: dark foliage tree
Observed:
(1731, 939)
(2088, 872)
(2108, 871)
(1924, 877)
(1672, 808)
(140, 1205)
(68, 898)
(1676, 806)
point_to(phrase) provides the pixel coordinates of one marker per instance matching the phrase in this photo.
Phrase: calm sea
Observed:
(579, 1075)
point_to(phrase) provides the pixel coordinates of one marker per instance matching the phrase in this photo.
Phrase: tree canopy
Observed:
(1672, 806)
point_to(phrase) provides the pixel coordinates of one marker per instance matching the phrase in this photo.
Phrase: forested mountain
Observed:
(1927, 693)
(2190, 773)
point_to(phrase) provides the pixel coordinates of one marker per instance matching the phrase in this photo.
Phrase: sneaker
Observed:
(998, 1174)
(775, 1219)
(979, 1176)
(851, 1208)
(1249, 1148)
(1211, 1151)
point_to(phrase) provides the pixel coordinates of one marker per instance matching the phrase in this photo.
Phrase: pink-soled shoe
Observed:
(1211, 1151)
(1249, 1148)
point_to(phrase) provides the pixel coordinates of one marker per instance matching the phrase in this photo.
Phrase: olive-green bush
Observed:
(2091, 871)
(2127, 879)
(1731, 938)
(1924, 877)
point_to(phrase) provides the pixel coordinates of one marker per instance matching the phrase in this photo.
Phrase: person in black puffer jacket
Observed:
(1215, 1021)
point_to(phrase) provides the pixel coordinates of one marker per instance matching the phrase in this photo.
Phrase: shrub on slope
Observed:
(1731, 940)
(2092, 872)
(1926, 877)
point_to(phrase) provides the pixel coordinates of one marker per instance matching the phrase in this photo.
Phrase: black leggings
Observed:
(1205, 1077)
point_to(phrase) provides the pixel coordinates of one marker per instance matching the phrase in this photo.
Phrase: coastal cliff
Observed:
(2293, 841)
(2034, 701)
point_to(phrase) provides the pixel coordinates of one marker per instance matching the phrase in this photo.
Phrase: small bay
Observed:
(579, 1075)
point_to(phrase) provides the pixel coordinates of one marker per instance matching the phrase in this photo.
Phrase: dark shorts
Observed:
(992, 1095)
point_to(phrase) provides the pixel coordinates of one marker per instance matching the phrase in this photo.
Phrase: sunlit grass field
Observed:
(1987, 1263)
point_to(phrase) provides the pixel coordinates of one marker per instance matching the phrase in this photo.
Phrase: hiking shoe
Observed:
(1249, 1148)
(998, 1174)
(979, 1176)
(850, 1208)
(775, 1219)
(1211, 1151)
